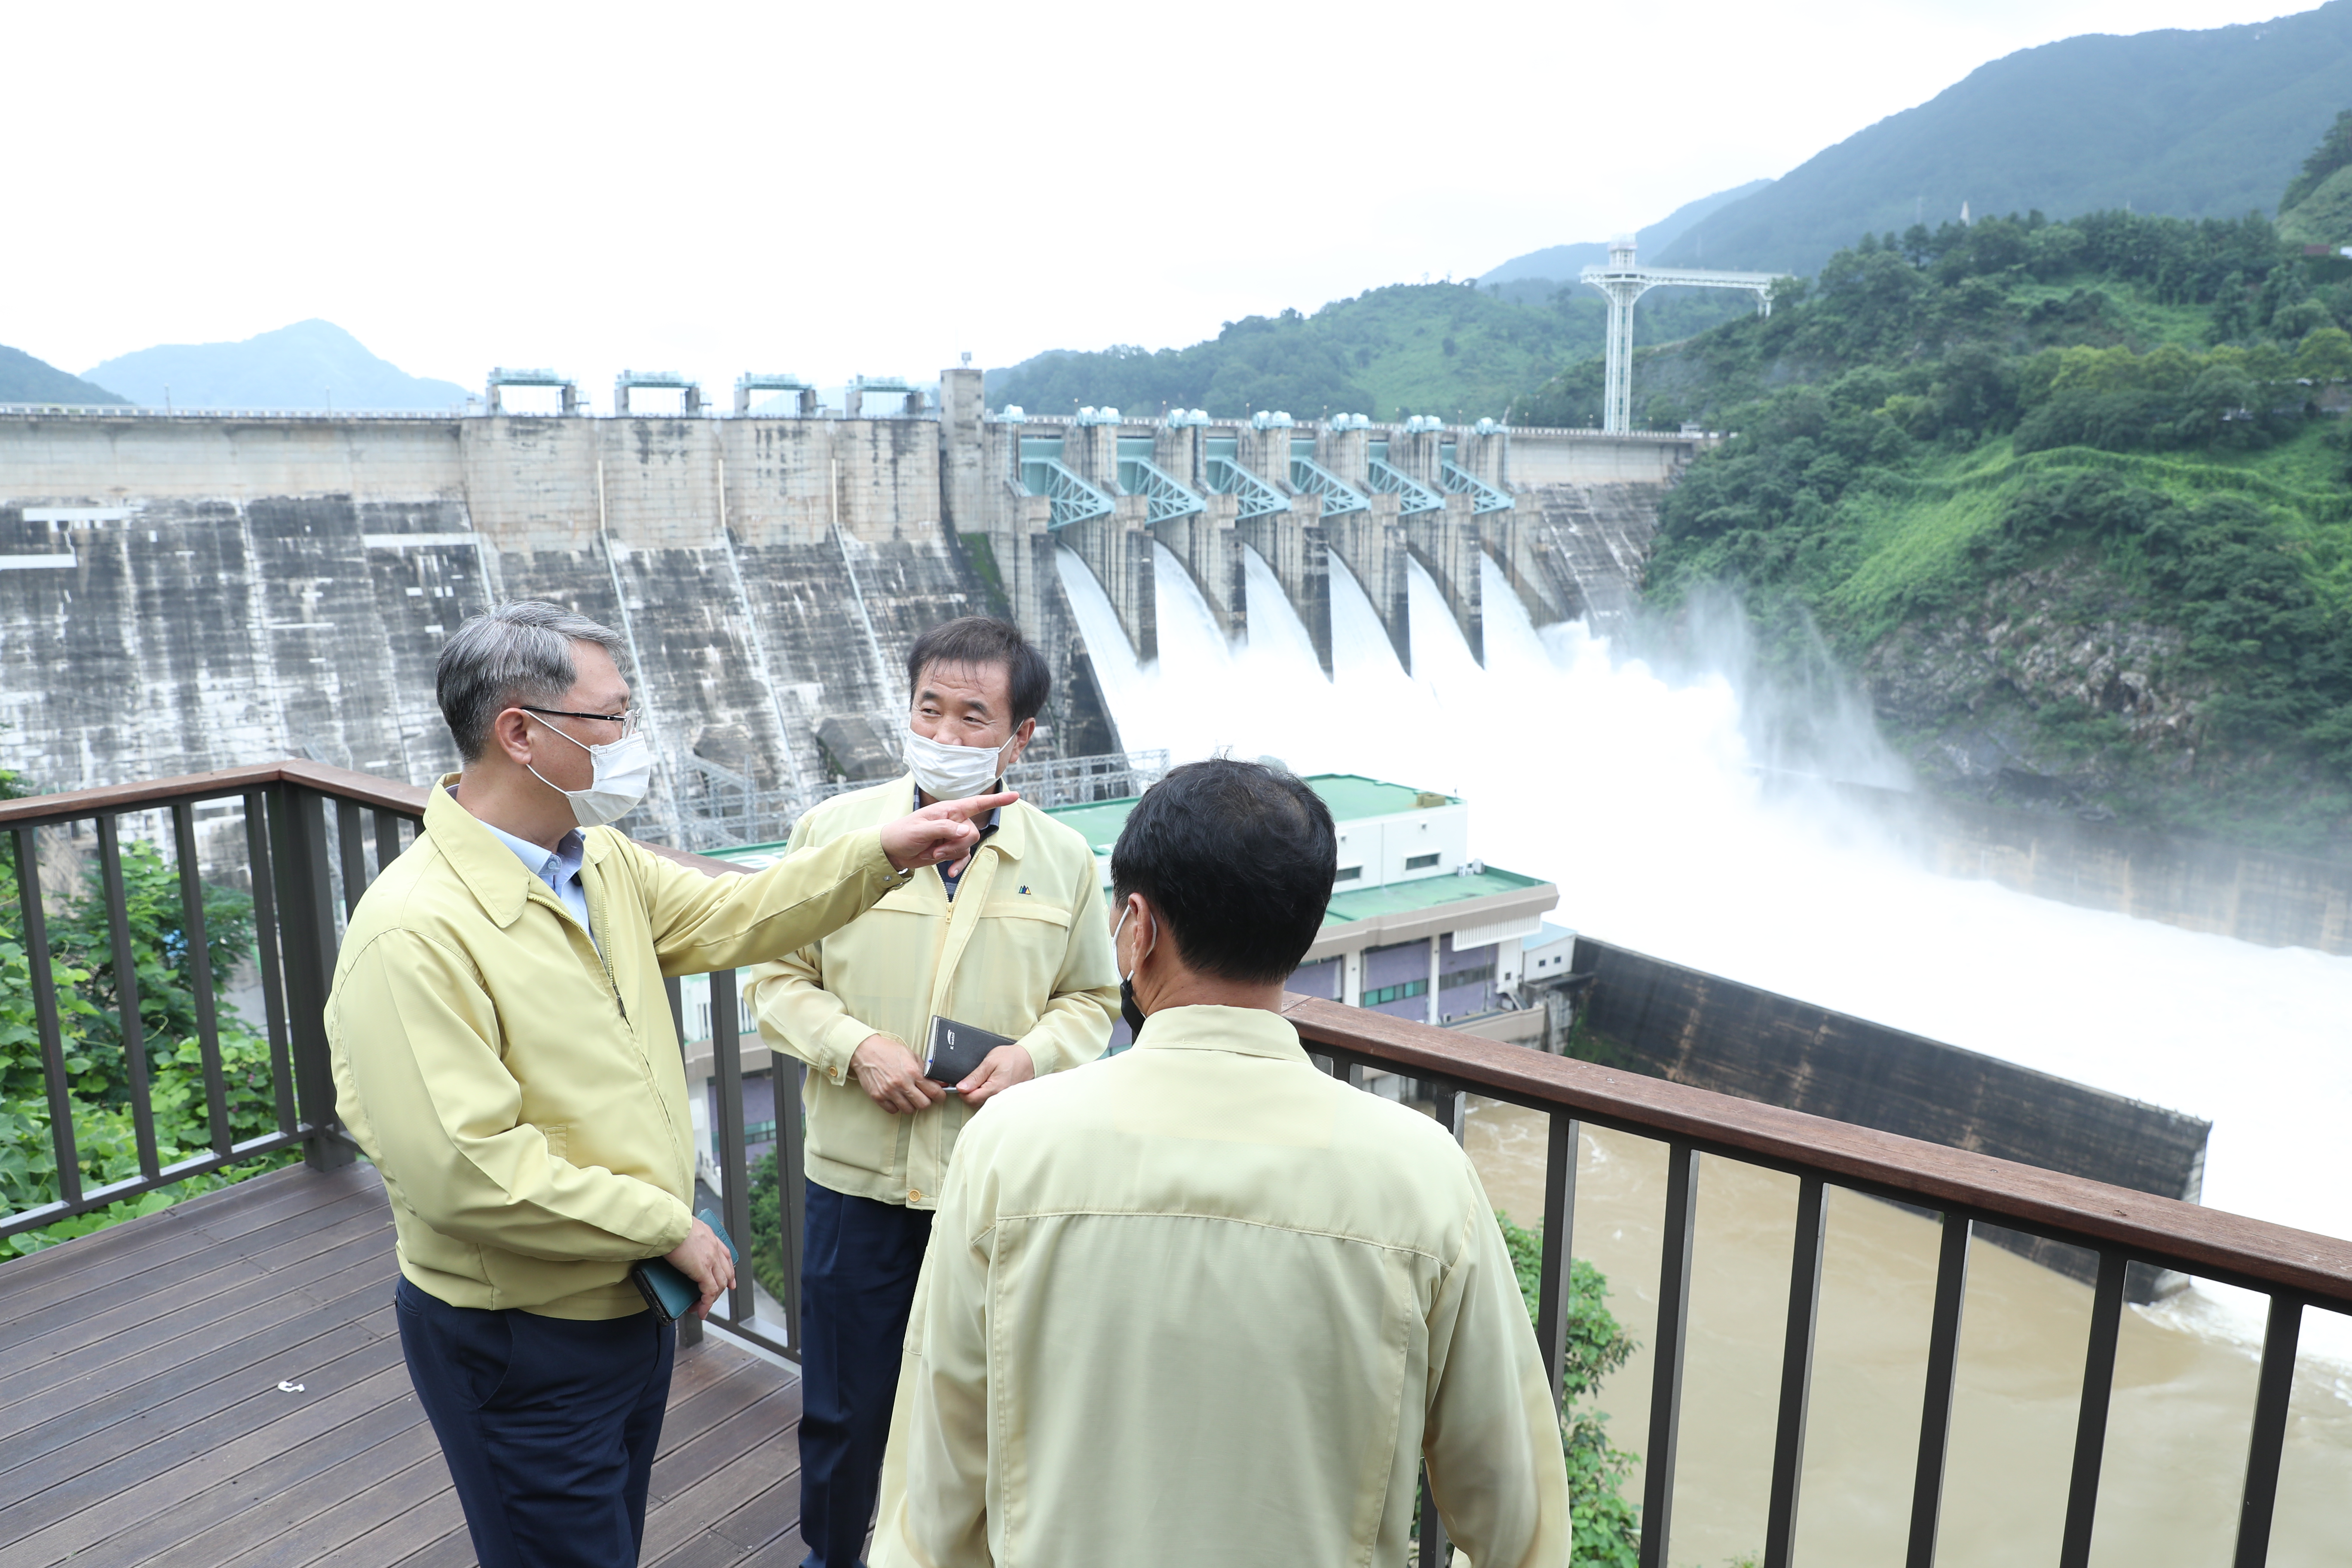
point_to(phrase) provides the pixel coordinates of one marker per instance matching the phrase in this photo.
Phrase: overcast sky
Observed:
(859, 189)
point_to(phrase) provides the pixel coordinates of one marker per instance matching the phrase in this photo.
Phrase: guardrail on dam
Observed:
(188, 591)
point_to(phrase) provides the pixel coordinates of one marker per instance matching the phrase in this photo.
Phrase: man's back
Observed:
(1200, 1303)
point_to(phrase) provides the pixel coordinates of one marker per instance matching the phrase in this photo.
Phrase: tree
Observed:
(1608, 1528)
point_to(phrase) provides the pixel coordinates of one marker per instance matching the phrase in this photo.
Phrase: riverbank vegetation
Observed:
(83, 976)
(2069, 499)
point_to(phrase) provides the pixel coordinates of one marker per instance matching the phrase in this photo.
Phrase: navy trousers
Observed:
(857, 1284)
(549, 1426)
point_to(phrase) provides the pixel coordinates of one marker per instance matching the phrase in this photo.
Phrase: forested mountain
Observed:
(2069, 499)
(2185, 124)
(1448, 349)
(24, 379)
(310, 365)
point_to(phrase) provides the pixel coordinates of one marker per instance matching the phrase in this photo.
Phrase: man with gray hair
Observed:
(504, 1052)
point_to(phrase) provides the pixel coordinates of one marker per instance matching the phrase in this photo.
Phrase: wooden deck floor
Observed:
(143, 1416)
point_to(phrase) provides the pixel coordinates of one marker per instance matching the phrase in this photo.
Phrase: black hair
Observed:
(973, 641)
(1238, 858)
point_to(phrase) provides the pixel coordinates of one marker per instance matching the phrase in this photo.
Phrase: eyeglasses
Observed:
(626, 720)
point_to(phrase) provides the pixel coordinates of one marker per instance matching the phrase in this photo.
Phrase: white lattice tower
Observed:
(1624, 281)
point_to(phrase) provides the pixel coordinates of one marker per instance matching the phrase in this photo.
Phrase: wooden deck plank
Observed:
(140, 1420)
(171, 1282)
(293, 1338)
(207, 1219)
(85, 1472)
(213, 1484)
(103, 1355)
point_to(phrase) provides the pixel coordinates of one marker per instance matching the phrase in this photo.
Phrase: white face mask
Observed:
(624, 772)
(952, 773)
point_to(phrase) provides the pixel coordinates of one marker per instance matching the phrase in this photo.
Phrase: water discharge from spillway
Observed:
(1635, 793)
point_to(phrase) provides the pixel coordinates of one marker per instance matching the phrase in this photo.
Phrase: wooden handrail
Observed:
(2197, 1240)
(367, 789)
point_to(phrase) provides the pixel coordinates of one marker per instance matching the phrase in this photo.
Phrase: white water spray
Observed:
(1635, 795)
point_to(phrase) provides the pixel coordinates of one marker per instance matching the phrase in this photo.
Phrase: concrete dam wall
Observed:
(185, 592)
(1670, 1022)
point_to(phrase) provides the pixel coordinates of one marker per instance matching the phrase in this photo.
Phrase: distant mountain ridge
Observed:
(2185, 124)
(1562, 263)
(310, 365)
(24, 379)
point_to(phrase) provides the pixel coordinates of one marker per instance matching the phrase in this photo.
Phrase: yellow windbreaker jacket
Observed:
(522, 1093)
(1024, 951)
(1201, 1303)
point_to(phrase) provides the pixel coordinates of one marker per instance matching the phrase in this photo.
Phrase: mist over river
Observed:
(1638, 795)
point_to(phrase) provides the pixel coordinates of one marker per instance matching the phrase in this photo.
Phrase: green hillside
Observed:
(1454, 350)
(2070, 500)
(2187, 124)
(24, 379)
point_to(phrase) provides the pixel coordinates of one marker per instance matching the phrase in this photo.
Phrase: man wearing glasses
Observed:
(504, 1053)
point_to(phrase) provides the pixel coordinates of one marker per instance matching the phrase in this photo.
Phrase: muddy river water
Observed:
(2184, 1387)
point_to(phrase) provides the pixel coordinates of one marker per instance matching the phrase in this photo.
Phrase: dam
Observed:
(183, 591)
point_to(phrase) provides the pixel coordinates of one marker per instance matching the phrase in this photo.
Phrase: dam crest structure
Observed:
(188, 589)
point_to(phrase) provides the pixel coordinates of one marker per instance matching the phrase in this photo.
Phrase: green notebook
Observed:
(665, 1287)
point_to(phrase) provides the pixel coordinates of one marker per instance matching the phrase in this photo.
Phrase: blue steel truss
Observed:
(1313, 478)
(1463, 483)
(1167, 498)
(1417, 497)
(1075, 501)
(1228, 478)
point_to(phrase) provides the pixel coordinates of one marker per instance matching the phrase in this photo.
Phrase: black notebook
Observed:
(954, 1050)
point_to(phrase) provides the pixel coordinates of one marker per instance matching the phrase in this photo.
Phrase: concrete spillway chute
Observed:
(502, 378)
(1623, 282)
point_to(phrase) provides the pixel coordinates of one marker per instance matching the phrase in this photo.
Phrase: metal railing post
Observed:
(690, 1328)
(727, 1083)
(1796, 1375)
(267, 942)
(792, 1186)
(129, 1026)
(1674, 1332)
(298, 833)
(1943, 1369)
(1553, 1291)
(2091, 1423)
(2273, 1389)
(200, 975)
(44, 1015)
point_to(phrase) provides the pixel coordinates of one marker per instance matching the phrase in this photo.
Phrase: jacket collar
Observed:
(499, 880)
(1247, 1031)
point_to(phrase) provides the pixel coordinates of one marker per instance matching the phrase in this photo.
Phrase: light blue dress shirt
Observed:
(558, 867)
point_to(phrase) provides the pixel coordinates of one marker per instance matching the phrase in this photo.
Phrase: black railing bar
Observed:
(1554, 1276)
(265, 943)
(1943, 1369)
(306, 925)
(198, 942)
(351, 833)
(690, 1328)
(1433, 1553)
(2273, 1389)
(129, 1026)
(2091, 1423)
(387, 839)
(791, 1185)
(37, 971)
(1795, 1373)
(734, 1176)
(1675, 1248)
(131, 1187)
(1884, 1192)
